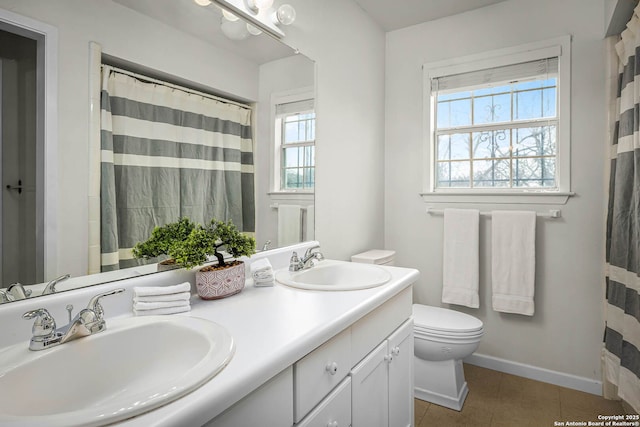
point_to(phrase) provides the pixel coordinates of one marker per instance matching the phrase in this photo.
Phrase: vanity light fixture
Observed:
(203, 2)
(259, 15)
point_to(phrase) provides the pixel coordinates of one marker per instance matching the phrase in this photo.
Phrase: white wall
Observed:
(349, 52)
(565, 333)
(284, 75)
(128, 35)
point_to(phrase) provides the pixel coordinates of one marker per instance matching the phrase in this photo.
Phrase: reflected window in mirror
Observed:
(294, 148)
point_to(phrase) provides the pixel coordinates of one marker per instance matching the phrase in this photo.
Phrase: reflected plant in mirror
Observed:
(49, 240)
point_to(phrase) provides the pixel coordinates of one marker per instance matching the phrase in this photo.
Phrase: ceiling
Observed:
(396, 14)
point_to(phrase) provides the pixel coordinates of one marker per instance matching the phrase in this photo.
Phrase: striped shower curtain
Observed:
(621, 352)
(165, 154)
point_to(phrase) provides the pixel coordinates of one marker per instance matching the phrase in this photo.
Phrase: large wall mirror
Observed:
(47, 205)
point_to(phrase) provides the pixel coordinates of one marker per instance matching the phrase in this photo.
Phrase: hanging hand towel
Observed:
(161, 290)
(289, 224)
(460, 275)
(513, 262)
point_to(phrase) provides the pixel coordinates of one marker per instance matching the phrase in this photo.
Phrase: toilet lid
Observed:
(445, 320)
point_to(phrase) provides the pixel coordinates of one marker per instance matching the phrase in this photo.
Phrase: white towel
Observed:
(461, 262)
(137, 305)
(513, 263)
(311, 223)
(179, 297)
(161, 290)
(161, 311)
(261, 283)
(260, 265)
(289, 224)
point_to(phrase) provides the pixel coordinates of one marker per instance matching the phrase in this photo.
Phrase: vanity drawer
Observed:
(316, 374)
(334, 411)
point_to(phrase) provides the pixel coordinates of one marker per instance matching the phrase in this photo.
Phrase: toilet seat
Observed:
(444, 322)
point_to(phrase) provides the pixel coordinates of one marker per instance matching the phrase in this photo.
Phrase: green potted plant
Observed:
(224, 278)
(161, 240)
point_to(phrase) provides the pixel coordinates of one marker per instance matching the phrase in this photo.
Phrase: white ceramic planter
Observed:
(217, 284)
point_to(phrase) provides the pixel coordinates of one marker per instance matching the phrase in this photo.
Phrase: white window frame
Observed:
(295, 95)
(560, 47)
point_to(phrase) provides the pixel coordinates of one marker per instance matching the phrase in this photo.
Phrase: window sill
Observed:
(291, 195)
(528, 198)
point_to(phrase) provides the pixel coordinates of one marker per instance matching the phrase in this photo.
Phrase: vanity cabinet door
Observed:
(401, 376)
(334, 411)
(370, 390)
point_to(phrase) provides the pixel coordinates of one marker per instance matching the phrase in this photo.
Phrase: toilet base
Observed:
(440, 382)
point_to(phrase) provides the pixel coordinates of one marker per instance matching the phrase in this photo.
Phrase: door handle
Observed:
(17, 188)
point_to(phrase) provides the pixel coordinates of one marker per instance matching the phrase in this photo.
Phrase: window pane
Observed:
(549, 102)
(291, 132)
(453, 174)
(453, 147)
(491, 144)
(312, 128)
(309, 156)
(492, 90)
(455, 95)
(292, 156)
(454, 113)
(527, 172)
(309, 177)
(531, 84)
(535, 141)
(492, 109)
(528, 105)
(549, 172)
(292, 178)
(491, 173)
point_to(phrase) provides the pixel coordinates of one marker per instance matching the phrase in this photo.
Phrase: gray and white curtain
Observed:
(621, 351)
(168, 153)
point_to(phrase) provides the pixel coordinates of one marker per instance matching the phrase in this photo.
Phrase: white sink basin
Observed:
(136, 365)
(330, 275)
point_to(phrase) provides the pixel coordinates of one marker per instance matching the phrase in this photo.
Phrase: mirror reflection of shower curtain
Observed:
(169, 153)
(621, 350)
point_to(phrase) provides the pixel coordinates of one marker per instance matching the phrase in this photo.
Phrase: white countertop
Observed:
(272, 327)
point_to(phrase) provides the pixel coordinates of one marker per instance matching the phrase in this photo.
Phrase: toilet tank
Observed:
(376, 256)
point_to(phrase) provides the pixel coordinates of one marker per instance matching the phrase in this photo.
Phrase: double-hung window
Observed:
(498, 125)
(295, 139)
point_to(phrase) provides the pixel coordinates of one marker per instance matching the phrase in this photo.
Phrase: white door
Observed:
(401, 376)
(18, 145)
(370, 390)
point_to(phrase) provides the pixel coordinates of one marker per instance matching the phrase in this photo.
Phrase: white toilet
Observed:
(442, 338)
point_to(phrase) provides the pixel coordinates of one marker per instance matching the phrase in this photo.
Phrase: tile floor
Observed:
(498, 399)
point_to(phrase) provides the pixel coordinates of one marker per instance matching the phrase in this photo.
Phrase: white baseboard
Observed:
(535, 373)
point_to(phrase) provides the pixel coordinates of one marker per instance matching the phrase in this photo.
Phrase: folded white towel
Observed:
(161, 290)
(263, 283)
(513, 261)
(154, 305)
(461, 261)
(182, 296)
(161, 311)
(260, 265)
(263, 275)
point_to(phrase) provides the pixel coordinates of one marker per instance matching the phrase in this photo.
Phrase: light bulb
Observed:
(235, 30)
(286, 14)
(255, 5)
(203, 2)
(253, 30)
(229, 16)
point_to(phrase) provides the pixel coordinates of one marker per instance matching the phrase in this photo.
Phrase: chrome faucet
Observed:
(313, 253)
(51, 286)
(5, 296)
(18, 291)
(88, 321)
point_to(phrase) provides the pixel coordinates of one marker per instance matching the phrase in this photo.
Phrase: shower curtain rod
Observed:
(552, 213)
(174, 86)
